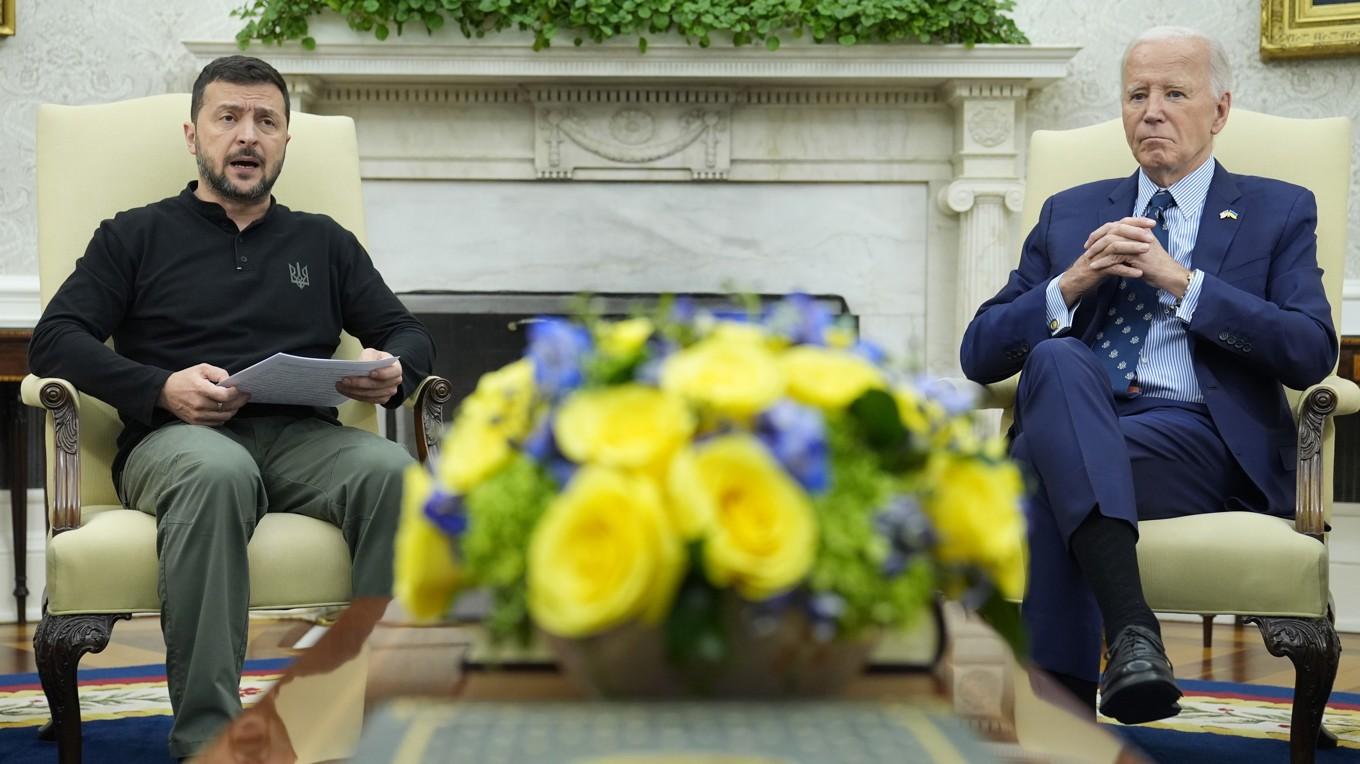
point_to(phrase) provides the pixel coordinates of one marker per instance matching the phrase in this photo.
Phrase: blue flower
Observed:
(800, 318)
(906, 527)
(541, 446)
(447, 511)
(825, 610)
(796, 435)
(870, 351)
(556, 348)
(658, 350)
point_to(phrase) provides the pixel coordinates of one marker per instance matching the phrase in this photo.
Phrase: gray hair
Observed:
(1220, 74)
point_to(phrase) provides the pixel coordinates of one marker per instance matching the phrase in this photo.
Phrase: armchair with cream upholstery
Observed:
(1266, 569)
(94, 161)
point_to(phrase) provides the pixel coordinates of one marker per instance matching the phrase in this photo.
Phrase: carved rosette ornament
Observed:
(990, 124)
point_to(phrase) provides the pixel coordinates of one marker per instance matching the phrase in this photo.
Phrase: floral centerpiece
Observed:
(659, 474)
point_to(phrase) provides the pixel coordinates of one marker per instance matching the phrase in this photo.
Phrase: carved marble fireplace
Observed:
(887, 175)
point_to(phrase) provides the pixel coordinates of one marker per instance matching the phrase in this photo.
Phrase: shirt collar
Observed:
(1189, 192)
(214, 212)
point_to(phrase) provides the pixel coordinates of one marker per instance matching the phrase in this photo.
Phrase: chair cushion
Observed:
(1232, 562)
(108, 565)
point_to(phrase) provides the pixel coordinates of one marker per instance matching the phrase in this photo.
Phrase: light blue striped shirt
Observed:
(1165, 367)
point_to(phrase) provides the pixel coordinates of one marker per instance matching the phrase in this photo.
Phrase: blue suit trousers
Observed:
(1085, 450)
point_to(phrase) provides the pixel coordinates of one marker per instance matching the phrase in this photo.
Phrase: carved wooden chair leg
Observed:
(58, 645)
(1312, 645)
(1326, 738)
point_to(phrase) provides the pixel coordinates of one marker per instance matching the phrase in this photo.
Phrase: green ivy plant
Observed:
(766, 22)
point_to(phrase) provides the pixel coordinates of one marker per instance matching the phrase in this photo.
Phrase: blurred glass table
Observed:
(377, 688)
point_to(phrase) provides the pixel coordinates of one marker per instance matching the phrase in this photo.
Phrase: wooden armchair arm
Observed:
(1332, 396)
(428, 402)
(60, 399)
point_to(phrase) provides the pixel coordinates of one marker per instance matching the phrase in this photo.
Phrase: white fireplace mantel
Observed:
(922, 146)
(344, 54)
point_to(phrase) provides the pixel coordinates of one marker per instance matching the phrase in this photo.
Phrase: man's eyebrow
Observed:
(237, 106)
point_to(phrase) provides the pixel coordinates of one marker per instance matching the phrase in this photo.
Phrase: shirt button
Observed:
(244, 259)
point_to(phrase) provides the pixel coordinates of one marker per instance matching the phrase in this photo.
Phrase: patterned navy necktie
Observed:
(1121, 337)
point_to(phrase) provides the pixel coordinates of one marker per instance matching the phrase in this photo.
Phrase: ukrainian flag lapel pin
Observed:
(1227, 215)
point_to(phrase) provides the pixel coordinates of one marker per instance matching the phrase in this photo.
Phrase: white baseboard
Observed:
(19, 304)
(1350, 307)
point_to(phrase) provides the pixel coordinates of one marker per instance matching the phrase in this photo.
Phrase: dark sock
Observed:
(1084, 690)
(1106, 551)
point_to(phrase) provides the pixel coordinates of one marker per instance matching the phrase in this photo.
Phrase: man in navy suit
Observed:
(1155, 318)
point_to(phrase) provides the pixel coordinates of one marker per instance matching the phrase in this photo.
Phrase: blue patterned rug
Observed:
(1222, 722)
(125, 713)
(126, 717)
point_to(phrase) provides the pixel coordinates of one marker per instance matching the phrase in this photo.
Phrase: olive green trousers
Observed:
(208, 487)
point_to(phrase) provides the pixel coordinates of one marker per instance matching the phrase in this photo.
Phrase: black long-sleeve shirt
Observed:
(175, 284)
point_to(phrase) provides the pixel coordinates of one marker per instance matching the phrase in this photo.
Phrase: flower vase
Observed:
(767, 656)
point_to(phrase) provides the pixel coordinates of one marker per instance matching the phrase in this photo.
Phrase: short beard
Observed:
(225, 189)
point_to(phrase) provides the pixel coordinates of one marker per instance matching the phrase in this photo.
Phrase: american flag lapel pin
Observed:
(1227, 215)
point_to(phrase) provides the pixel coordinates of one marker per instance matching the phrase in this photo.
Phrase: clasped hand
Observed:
(1127, 249)
(194, 396)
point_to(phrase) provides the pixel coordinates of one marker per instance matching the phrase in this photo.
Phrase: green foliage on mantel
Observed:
(846, 22)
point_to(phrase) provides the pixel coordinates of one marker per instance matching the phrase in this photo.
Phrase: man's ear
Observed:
(189, 135)
(1221, 110)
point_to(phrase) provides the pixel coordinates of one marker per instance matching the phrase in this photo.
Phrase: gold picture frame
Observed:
(7, 18)
(1309, 28)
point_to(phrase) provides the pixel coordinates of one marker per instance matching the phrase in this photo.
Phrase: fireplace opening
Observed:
(477, 332)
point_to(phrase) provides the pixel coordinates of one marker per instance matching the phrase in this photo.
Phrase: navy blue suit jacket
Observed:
(1262, 319)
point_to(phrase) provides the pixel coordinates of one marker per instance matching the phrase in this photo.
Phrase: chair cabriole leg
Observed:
(58, 644)
(1312, 645)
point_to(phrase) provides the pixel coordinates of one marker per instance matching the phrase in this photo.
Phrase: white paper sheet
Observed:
(291, 379)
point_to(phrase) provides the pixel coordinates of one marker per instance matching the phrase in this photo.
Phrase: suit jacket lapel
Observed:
(1216, 233)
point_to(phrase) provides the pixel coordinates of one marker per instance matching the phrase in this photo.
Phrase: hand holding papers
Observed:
(290, 379)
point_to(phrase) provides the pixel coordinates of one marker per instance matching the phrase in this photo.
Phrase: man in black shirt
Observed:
(212, 280)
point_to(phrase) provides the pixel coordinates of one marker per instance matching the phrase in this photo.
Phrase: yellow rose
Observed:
(426, 576)
(731, 374)
(830, 379)
(839, 337)
(505, 397)
(911, 409)
(478, 442)
(474, 448)
(762, 533)
(603, 554)
(628, 426)
(622, 339)
(689, 505)
(975, 508)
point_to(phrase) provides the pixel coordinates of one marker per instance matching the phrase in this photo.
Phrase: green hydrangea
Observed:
(502, 512)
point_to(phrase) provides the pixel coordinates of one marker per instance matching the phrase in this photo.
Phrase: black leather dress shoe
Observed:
(1138, 684)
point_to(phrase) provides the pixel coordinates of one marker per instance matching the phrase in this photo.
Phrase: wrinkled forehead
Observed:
(1182, 61)
(260, 97)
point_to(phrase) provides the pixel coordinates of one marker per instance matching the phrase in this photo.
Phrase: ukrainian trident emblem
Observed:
(297, 273)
